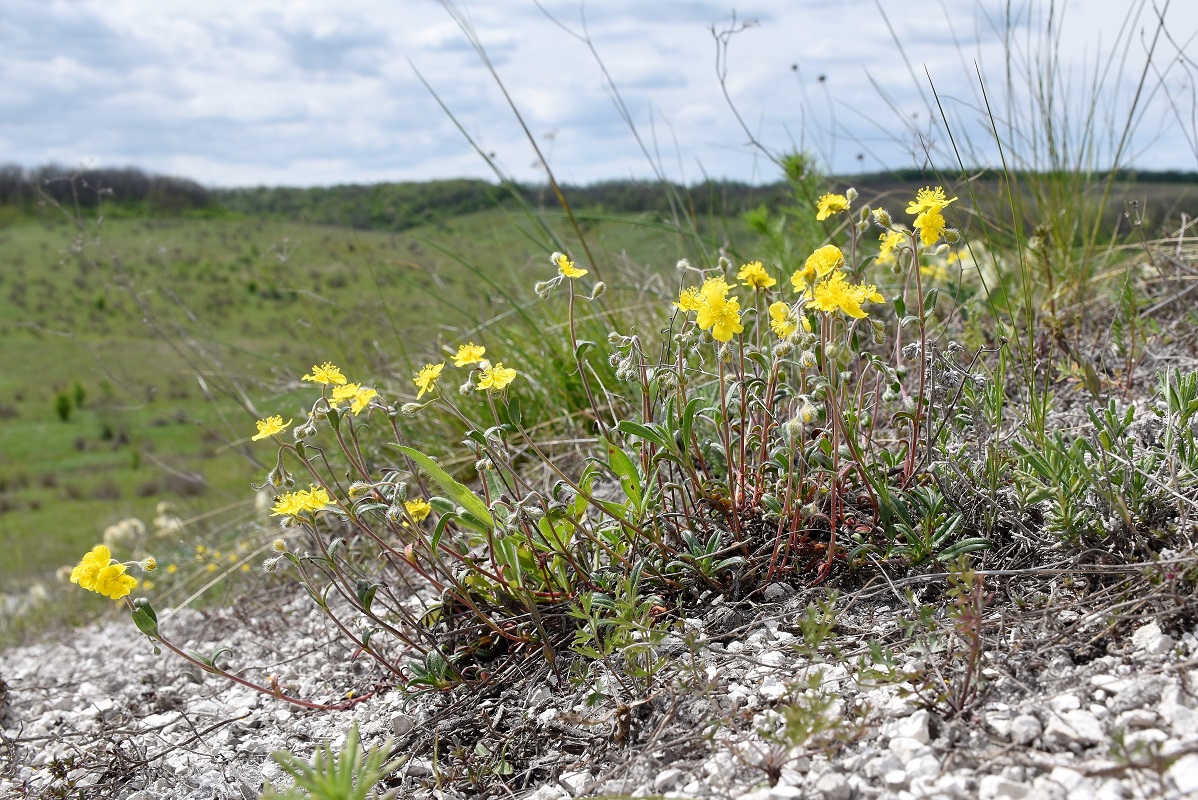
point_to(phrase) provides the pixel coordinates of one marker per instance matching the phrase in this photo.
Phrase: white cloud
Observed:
(314, 92)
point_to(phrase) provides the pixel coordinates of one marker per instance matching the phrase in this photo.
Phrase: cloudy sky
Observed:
(309, 92)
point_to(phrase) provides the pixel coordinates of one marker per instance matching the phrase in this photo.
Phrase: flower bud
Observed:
(542, 289)
(882, 218)
(952, 235)
(279, 545)
(598, 290)
(280, 478)
(879, 331)
(148, 564)
(409, 409)
(850, 194)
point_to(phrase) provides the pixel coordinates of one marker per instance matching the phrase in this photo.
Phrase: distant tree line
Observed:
(126, 187)
(399, 206)
(379, 206)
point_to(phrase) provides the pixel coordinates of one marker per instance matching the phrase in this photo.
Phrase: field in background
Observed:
(265, 299)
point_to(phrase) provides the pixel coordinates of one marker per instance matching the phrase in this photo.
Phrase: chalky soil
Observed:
(97, 714)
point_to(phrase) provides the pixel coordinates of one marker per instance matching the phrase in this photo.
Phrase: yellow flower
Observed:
(837, 294)
(288, 505)
(427, 377)
(496, 378)
(344, 392)
(326, 373)
(928, 204)
(361, 399)
(831, 204)
(171, 569)
(149, 564)
(782, 320)
(690, 299)
(566, 267)
(754, 275)
(930, 225)
(469, 353)
(928, 199)
(97, 559)
(822, 262)
(418, 509)
(269, 427)
(357, 396)
(147, 585)
(714, 286)
(721, 315)
(112, 582)
(316, 499)
(890, 242)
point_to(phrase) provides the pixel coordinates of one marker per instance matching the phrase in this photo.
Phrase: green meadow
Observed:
(168, 337)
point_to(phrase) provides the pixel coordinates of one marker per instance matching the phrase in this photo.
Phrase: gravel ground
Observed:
(97, 714)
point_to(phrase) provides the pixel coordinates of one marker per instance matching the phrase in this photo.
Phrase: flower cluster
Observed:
(97, 573)
(927, 205)
(825, 286)
(326, 374)
(293, 504)
(358, 396)
(717, 312)
(492, 377)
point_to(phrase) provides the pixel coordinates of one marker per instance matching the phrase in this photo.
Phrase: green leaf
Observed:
(626, 471)
(366, 592)
(583, 346)
(688, 421)
(963, 546)
(643, 431)
(514, 412)
(456, 491)
(144, 617)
